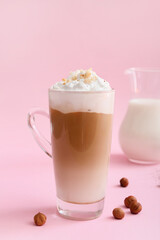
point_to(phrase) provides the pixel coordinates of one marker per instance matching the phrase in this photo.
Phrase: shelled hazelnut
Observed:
(128, 201)
(135, 207)
(118, 213)
(124, 182)
(39, 219)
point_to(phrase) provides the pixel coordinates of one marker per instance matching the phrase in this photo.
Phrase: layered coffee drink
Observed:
(80, 155)
(81, 111)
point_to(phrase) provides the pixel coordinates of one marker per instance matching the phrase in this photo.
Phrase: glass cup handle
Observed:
(44, 144)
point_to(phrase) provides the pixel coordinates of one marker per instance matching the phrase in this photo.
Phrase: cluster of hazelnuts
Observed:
(118, 213)
(130, 202)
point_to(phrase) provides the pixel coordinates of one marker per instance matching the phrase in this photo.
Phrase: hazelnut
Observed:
(129, 200)
(39, 219)
(135, 207)
(118, 213)
(124, 182)
(88, 81)
(74, 78)
(82, 75)
(87, 74)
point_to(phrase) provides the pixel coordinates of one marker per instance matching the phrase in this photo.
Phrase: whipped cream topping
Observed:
(82, 80)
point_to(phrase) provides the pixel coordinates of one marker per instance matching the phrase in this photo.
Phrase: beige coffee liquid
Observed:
(81, 148)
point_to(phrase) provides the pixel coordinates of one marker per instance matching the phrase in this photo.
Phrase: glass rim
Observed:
(143, 69)
(80, 91)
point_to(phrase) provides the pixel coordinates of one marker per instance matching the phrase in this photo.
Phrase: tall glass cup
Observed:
(81, 124)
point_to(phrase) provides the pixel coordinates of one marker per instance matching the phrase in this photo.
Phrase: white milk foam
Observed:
(82, 80)
(87, 93)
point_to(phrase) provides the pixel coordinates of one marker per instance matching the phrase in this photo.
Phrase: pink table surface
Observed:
(40, 42)
(27, 187)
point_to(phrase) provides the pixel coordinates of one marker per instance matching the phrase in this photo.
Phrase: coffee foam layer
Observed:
(66, 102)
(82, 80)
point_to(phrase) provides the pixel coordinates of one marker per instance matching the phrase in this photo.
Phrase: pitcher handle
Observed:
(44, 144)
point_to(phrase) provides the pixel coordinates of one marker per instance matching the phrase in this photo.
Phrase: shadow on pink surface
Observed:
(120, 160)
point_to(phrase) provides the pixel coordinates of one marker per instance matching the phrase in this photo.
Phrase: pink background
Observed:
(40, 42)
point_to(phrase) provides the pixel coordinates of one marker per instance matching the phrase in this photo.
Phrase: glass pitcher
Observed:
(139, 134)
